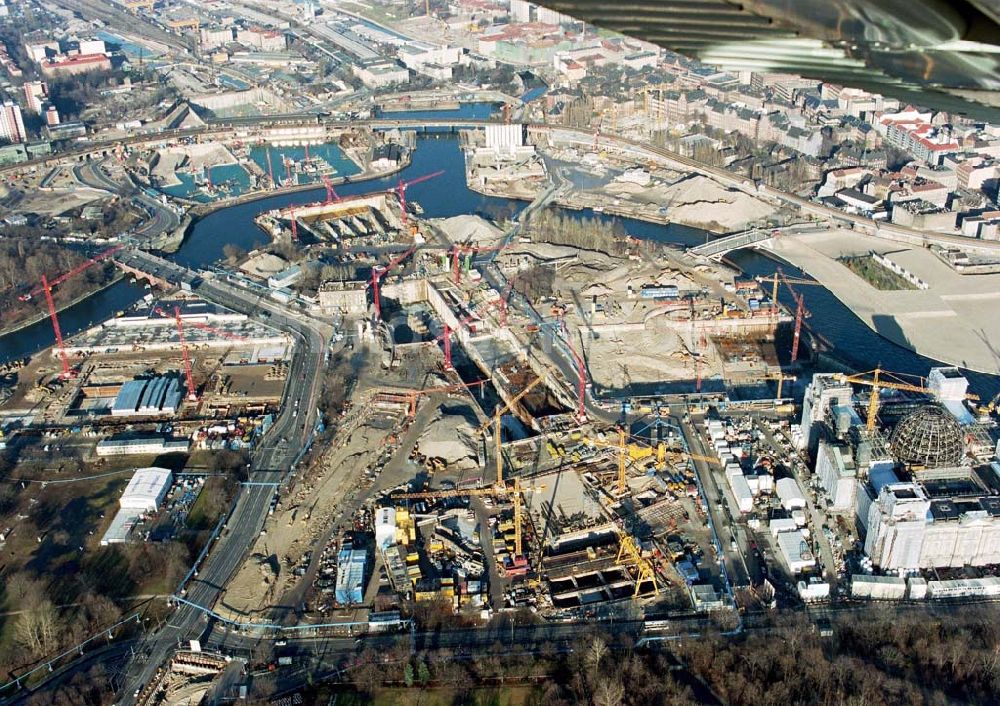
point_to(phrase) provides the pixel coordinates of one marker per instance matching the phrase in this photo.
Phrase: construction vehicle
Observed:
(987, 410)
(879, 382)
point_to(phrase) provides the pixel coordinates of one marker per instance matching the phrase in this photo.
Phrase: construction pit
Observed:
(238, 371)
(419, 423)
(371, 220)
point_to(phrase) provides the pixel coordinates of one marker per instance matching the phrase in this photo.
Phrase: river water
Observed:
(447, 195)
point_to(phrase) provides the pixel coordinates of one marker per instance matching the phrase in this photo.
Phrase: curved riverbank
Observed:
(447, 195)
(198, 211)
(44, 315)
(950, 320)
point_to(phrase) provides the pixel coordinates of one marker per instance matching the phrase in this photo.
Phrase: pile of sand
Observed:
(700, 201)
(469, 229)
(264, 265)
(452, 438)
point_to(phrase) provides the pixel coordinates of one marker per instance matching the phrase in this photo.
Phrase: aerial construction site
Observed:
(455, 421)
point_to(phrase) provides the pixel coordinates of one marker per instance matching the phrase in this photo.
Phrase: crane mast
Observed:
(192, 395)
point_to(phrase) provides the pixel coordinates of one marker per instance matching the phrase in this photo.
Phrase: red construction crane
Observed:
(331, 195)
(800, 313)
(307, 152)
(447, 348)
(192, 395)
(288, 169)
(380, 271)
(502, 302)
(47, 286)
(402, 186)
(458, 251)
(270, 169)
(66, 372)
(446, 336)
(72, 273)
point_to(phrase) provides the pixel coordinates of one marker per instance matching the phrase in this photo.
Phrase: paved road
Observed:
(735, 565)
(289, 434)
(163, 219)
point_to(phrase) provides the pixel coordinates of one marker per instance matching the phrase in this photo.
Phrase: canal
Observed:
(447, 195)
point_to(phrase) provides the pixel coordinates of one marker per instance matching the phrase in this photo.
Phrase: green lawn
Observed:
(878, 276)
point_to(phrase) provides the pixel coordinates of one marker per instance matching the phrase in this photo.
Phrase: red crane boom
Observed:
(378, 272)
(331, 195)
(581, 382)
(66, 372)
(205, 327)
(72, 273)
(800, 313)
(402, 186)
(270, 169)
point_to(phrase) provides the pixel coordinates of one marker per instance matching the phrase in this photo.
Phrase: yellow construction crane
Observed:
(498, 491)
(877, 383)
(986, 410)
(630, 555)
(775, 279)
(780, 377)
(496, 425)
(624, 449)
(638, 451)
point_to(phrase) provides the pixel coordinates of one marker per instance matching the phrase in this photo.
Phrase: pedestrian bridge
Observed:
(719, 247)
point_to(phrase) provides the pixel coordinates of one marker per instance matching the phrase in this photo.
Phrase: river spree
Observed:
(447, 195)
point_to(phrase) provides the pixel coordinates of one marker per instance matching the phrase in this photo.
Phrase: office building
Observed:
(11, 122)
(35, 95)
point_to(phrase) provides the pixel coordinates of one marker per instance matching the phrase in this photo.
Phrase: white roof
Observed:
(795, 548)
(146, 488)
(790, 493)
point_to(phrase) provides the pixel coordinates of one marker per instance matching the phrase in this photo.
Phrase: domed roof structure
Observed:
(929, 437)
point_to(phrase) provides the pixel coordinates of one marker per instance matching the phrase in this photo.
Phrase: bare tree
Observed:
(38, 626)
(609, 692)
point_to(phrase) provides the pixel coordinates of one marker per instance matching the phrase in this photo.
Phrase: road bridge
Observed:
(716, 249)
